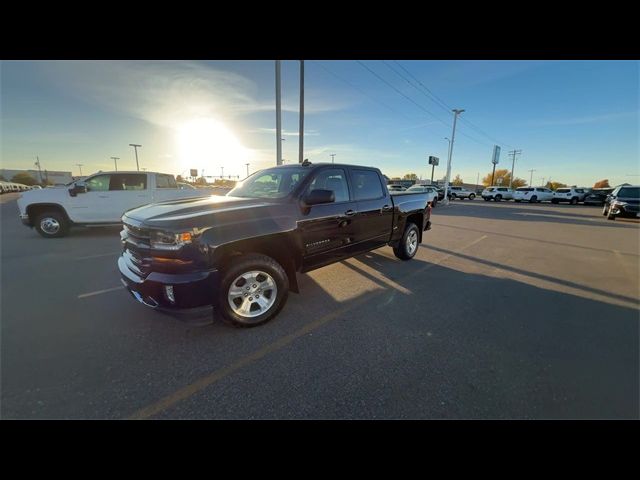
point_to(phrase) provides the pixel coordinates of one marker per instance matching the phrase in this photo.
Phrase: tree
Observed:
(410, 176)
(555, 185)
(2, 179)
(24, 178)
(506, 176)
(201, 181)
(457, 181)
(602, 184)
(179, 178)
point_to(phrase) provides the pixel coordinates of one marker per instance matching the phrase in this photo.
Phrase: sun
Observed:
(207, 144)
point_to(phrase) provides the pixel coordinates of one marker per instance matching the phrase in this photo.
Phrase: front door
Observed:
(327, 229)
(92, 206)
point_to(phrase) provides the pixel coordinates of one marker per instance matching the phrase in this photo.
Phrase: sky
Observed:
(575, 122)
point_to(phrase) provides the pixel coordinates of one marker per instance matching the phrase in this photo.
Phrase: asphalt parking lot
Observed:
(508, 311)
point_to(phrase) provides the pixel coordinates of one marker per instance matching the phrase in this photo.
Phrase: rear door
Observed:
(127, 191)
(374, 218)
(327, 229)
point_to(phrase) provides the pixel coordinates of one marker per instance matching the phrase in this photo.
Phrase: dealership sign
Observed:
(496, 154)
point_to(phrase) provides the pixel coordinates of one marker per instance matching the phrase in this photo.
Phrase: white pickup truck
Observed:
(99, 199)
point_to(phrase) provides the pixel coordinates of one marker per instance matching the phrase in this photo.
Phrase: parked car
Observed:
(532, 194)
(241, 252)
(497, 194)
(572, 195)
(624, 201)
(461, 192)
(597, 196)
(100, 199)
(433, 193)
(396, 188)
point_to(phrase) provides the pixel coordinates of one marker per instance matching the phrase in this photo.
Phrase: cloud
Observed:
(166, 93)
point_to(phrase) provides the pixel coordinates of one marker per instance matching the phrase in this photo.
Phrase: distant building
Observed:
(55, 177)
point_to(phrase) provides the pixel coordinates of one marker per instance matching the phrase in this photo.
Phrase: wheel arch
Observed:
(36, 209)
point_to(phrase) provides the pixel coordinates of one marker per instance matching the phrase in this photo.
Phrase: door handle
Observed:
(350, 213)
(386, 208)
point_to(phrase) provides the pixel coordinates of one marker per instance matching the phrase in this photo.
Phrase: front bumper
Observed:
(193, 292)
(25, 220)
(626, 210)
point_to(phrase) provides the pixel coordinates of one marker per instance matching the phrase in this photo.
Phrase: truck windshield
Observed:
(271, 183)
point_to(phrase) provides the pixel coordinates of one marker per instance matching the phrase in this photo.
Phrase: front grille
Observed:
(136, 246)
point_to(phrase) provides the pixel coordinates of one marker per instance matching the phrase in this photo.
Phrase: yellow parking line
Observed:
(200, 384)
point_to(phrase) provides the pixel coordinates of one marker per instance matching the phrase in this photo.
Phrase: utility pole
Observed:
(39, 171)
(531, 178)
(115, 161)
(478, 181)
(301, 133)
(80, 166)
(247, 169)
(456, 112)
(221, 172)
(278, 116)
(513, 164)
(135, 147)
(332, 155)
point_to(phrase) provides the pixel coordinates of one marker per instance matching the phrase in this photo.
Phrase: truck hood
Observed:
(193, 212)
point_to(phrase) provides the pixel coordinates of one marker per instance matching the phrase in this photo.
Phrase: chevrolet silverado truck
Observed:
(240, 253)
(99, 199)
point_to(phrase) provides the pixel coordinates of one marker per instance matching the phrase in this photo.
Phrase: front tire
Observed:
(574, 201)
(533, 199)
(52, 224)
(408, 246)
(472, 196)
(486, 199)
(252, 291)
(497, 198)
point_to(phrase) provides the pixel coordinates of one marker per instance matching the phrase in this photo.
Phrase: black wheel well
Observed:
(36, 209)
(418, 219)
(277, 247)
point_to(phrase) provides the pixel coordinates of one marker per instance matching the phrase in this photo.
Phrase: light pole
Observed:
(332, 155)
(301, 133)
(247, 169)
(135, 147)
(278, 116)
(531, 178)
(39, 171)
(456, 112)
(221, 172)
(115, 161)
(513, 164)
(80, 166)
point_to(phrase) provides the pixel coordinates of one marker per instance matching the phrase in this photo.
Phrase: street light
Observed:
(332, 155)
(80, 166)
(135, 147)
(115, 161)
(456, 112)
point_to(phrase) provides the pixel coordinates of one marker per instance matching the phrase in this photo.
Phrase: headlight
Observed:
(618, 203)
(161, 240)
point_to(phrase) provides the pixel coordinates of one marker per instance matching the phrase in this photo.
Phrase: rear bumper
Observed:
(193, 292)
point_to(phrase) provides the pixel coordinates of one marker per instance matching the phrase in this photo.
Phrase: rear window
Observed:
(165, 181)
(563, 190)
(128, 181)
(524, 189)
(490, 189)
(367, 185)
(629, 192)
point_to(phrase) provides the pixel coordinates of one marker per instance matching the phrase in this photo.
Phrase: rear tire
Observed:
(574, 201)
(408, 246)
(486, 199)
(554, 201)
(51, 224)
(497, 198)
(262, 267)
(472, 196)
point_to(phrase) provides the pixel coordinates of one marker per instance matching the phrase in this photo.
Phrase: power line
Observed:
(435, 99)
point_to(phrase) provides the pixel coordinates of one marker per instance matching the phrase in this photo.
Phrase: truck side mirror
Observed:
(78, 187)
(319, 196)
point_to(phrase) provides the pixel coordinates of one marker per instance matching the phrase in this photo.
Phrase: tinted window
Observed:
(165, 181)
(271, 183)
(563, 190)
(502, 189)
(334, 180)
(128, 181)
(525, 189)
(629, 192)
(99, 183)
(366, 185)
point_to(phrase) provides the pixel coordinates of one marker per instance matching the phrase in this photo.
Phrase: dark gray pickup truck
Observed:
(240, 253)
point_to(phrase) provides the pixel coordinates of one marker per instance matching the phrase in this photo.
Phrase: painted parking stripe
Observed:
(99, 292)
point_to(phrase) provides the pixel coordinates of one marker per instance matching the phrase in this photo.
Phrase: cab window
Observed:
(99, 183)
(128, 181)
(335, 180)
(165, 181)
(366, 185)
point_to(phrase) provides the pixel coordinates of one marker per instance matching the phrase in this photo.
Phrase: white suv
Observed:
(461, 192)
(533, 194)
(571, 195)
(497, 193)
